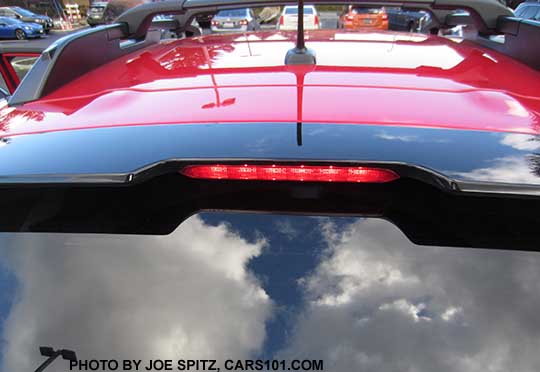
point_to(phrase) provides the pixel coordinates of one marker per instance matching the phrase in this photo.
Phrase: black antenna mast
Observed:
(300, 55)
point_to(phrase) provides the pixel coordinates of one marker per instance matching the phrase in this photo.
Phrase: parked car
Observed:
(11, 28)
(235, 20)
(528, 10)
(95, 13)
(289, 18)
(364, 17)
(403, 20)
(25, 15)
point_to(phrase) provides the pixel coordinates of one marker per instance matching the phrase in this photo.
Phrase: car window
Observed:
(23, 64)
(537, 16)
(233, 13)
(529, 12)
(17, 66)
(294, 10)
(519, 11)
(354, 294)
(363, 10)
(24, 12)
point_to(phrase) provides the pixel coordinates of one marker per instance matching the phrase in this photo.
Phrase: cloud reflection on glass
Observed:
(354, 292)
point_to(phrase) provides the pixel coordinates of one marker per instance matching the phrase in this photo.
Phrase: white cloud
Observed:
(390, 137)
(406, 308)
(451, 313)
(187, 295)
(449, 309)
(523, 142)
(511, 169)
(285, 227)
(408, 138)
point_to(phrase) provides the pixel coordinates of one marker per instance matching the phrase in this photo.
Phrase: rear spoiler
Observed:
(74, 55)
(426, 215)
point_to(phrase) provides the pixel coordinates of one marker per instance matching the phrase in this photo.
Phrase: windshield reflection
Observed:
(351, 291)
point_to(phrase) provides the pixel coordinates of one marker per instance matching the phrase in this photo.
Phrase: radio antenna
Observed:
(300, 55)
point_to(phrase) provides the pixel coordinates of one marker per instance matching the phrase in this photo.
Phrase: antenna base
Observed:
(300, 56)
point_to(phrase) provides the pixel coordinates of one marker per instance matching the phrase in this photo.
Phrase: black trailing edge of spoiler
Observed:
(424, 175)
(158, 206)
(81, 52)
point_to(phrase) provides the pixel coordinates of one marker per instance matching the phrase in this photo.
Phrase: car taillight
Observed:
(215, 23)
(385, 16)
(281, 21)
(303, 173)
(349, 18)
(316, 20)
(243, 22)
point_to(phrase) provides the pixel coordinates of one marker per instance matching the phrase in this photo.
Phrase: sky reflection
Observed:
(352, 291)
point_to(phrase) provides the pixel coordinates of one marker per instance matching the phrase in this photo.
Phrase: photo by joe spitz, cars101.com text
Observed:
(270, 185)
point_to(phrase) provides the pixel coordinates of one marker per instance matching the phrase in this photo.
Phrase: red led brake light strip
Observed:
(300, 173)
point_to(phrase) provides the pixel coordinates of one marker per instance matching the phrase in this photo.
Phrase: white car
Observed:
(235, 20)
(289, 18)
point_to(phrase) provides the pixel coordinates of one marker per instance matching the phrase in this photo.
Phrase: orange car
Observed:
(359, 17)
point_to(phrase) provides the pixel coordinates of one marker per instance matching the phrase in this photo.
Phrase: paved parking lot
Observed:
(42, 42)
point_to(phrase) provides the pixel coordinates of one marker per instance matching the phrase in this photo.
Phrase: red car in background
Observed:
(362, 17)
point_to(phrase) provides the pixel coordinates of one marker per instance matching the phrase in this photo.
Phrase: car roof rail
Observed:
(519, 37)
(75, 54)
(484, 12)
(72, 56)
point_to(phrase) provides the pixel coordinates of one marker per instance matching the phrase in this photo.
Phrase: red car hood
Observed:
(360, 78)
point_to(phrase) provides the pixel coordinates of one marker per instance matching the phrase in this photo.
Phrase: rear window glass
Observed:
(362, 10)
(233, 13)
(354, 293)
(294, 10)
